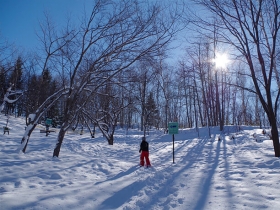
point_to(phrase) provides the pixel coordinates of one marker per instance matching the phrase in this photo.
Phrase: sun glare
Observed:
(221, 61)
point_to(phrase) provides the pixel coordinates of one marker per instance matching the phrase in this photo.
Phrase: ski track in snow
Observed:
(90, 174)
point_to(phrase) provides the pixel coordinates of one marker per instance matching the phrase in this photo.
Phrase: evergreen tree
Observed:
(16, 75)
(53, 112)
(152, 114)
(32, 95)
(16, 81)
(45, 86)
(3, 83)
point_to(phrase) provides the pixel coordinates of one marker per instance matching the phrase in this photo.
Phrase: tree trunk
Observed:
(59, 142)
(111, 140)
(275, 135)
(27, 135)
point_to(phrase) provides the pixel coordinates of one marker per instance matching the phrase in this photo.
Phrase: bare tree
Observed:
(111, 39)
(252, 27)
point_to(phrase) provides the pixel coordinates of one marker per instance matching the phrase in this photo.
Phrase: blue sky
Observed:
(19, 19)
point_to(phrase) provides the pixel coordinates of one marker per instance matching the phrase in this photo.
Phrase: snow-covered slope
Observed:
(233, 173)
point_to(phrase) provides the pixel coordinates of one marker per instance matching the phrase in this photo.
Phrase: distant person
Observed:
(144, 147)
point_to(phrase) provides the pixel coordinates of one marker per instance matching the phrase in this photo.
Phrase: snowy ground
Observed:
(235, 173)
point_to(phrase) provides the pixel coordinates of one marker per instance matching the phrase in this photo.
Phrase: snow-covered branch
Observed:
(9, 93)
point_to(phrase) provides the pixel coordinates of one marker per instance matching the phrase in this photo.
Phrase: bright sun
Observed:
(221, 61)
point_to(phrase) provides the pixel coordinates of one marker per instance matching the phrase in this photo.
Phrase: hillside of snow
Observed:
(233, 173)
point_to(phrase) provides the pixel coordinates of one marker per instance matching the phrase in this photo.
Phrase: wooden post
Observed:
(173, 149)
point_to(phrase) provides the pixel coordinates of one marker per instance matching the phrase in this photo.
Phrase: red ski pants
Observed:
(144, 155)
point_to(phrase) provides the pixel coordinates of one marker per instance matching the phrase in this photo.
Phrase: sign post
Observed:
(48, 121)
(173, 128)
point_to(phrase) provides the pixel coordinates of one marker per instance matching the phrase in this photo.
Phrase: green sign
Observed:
(48, 121)
(173, 128)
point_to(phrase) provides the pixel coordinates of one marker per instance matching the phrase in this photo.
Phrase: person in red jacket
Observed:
(144, 147)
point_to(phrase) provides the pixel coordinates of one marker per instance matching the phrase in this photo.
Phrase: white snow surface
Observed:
(239, 173)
